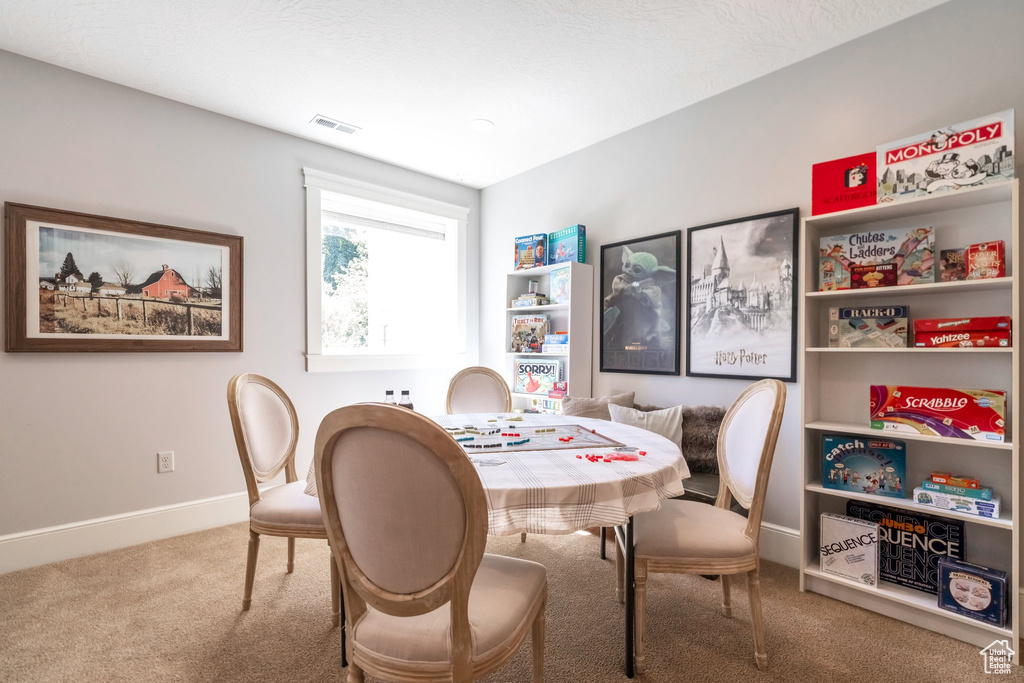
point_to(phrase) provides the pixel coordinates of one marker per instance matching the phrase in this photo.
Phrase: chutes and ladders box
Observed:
(977, 414)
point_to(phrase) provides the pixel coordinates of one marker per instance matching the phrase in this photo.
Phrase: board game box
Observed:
(873, 275)
(953, 501)
(537, 375)
(531, 251)
(560, 285)
(968, 154)
(911, 543)
(981, 492)
(974, 591)
(875, 466)
(843, 184)
(849, 548)
(951, 263)
(868, 327)
(568, 244)
(985, 260)
(912, 251)
(498, 436)
(977, 414)
(528, 332)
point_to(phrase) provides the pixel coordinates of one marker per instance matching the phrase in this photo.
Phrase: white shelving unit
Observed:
(575, 317)
(835, 385)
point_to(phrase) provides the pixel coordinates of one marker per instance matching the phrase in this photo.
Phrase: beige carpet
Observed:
(169, 611)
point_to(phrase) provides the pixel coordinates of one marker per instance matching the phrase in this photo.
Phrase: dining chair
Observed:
(689, 537)
(406, 519)
(478, 390)
(266, 430)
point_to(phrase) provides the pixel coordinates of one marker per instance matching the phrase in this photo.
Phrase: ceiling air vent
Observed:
(334, 125)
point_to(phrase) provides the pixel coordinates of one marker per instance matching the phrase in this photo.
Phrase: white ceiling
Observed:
(553, 75)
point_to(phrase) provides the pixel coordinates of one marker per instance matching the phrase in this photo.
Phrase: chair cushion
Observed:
(691, 530)
(504, 592)
(287, 506)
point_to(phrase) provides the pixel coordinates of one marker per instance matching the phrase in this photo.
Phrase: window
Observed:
(385, 277)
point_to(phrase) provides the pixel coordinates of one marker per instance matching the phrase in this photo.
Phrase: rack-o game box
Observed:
(537, 375)
(864, 465)
(977, 414)
(568, 244)
(849, 548)
(868, 327)
(968, 154)
(911, 543)
(913, 252)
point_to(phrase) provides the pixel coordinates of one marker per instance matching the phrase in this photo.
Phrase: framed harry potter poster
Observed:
(78, 282)
(741, 301)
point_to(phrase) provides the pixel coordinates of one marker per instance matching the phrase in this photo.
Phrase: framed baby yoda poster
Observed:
(740, 302)
(640, 298)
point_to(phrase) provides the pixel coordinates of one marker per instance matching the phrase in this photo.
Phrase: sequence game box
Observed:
(875, 466)
(968, 154)
(974, 591)
(912, 251)
(911, 544)
(568, 244)
(977, 414)
(849, 548)
(537, 375)
(868, 327)
(531, 251)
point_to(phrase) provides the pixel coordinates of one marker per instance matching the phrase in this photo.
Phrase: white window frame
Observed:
(317, 182)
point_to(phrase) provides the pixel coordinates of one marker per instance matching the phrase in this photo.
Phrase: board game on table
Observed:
(504, 436)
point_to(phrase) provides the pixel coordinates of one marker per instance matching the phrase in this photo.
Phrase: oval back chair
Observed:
(478, 390)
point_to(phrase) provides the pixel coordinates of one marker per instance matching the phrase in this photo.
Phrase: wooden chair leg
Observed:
(291, 554)
(757, 619)
(620, 579)
(538, 645)
(640, 610)
(726, 598)
(250, 568)
(522, 537)
(335, 592)
(355, 674)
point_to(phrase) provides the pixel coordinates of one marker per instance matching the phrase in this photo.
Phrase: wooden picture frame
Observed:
(741, 297)
(640, 331)
(117, 307)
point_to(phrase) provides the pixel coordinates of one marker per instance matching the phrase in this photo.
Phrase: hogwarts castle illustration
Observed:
(717, 306)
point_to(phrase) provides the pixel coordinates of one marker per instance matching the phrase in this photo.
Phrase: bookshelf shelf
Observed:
(833, 380)
(574, 316)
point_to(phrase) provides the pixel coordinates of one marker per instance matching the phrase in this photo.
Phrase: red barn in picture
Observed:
(163, 284)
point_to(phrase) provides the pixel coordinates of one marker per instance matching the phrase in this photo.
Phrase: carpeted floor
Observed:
(169, 611)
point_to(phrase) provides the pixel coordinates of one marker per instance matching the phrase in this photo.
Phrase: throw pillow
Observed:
(700, 436)
(668, 422)
(595, 407)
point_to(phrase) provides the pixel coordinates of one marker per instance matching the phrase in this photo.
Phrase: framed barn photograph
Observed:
(741, 300)
(78, 282)
(640, 305)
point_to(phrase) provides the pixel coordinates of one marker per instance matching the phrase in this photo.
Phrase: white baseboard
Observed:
(52, 544)
(780, 544)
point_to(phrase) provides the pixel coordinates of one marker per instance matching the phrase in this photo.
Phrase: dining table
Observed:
(565, 488)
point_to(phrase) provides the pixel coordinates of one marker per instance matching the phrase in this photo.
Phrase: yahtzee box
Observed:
(968, 154)
(913, 252)
(977, 414)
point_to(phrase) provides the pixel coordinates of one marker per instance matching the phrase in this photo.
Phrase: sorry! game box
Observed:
(537, 375)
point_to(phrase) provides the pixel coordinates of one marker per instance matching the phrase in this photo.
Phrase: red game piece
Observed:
(643, 452)
(579, 456)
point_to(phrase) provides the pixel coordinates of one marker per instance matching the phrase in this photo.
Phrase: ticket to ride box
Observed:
(977, 414)
(868, 327)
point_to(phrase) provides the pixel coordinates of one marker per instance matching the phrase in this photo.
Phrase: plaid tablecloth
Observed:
(554, 492)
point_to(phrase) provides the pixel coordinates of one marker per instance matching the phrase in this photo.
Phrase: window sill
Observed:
(377, 363)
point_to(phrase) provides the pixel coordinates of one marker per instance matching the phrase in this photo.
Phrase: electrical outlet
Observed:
(165, 462)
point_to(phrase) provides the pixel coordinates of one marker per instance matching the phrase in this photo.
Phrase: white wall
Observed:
(749, 151)
(78, 432)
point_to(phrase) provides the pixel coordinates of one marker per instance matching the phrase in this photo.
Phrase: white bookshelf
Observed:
(575, 317)
(835, 383)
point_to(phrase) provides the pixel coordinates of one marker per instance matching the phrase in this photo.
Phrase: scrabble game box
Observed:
(974, 591)
(531, 251)
(849, 548)
(568, 244)
(875, 466)
(537, 375)
(976, 414)
(868, 327)
(911, 543)
(911, 250)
